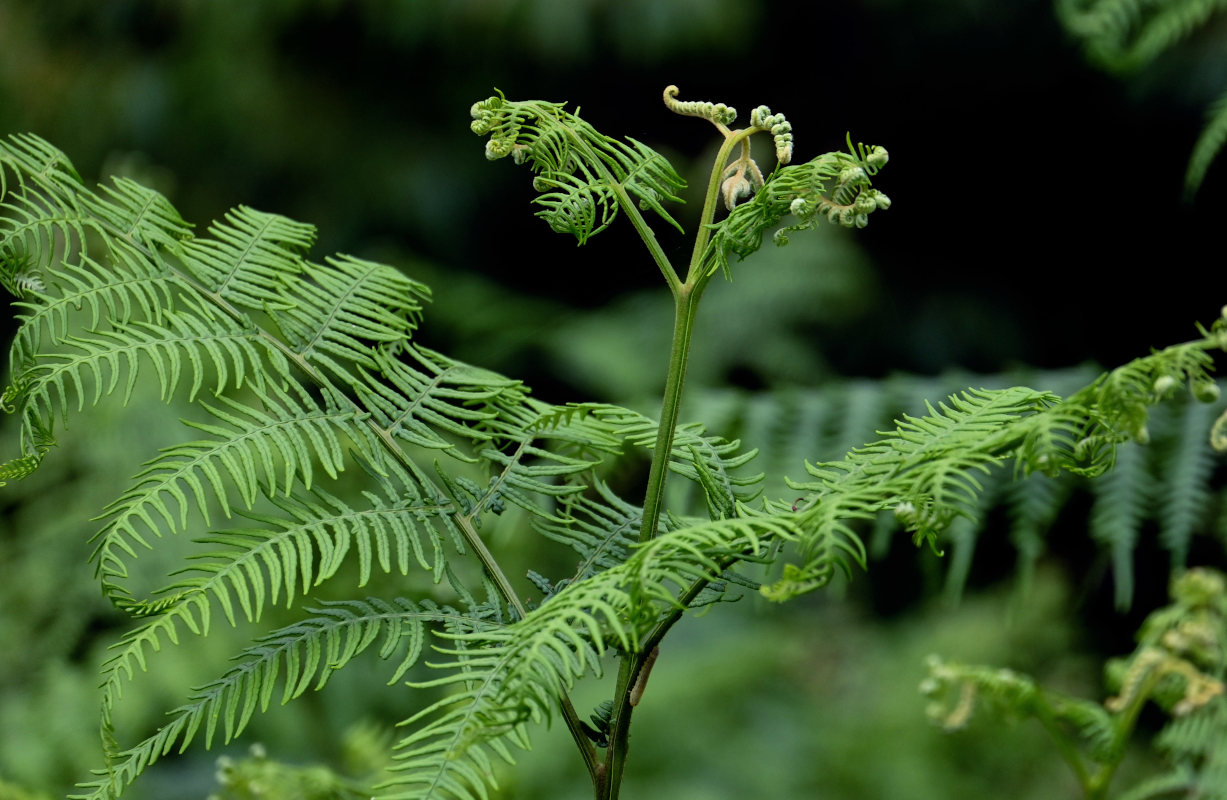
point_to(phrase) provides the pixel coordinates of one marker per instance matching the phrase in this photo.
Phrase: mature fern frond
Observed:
(249, 258)
(583, 177)
(204, 345)
(258, 451)
(299, 657)
(788, 425)
(347, 308)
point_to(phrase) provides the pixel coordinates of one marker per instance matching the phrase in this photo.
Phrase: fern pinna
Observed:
(306, 371)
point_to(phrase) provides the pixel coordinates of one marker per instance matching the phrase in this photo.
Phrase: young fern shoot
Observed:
(584, 178)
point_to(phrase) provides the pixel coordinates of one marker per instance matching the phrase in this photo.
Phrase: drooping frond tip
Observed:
(583, 177)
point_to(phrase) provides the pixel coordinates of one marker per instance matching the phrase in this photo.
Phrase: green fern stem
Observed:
(686, 297)
(620, 718)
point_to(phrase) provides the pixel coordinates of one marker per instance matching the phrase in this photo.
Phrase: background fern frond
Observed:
(791, 424)
(1184, 468)
(1124, 35)
(1122, 501)
(1207, 147)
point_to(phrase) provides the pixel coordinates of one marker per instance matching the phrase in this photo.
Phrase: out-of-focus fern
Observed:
(1180, 665)
(1125, 35)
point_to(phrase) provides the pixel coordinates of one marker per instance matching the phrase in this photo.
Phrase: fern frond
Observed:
(128, 289)
(1185, 471)
(1197, 744)
(347, 308)
(423, 397)
(26, 157)
(1206, 148)
(137, 215)
(285, 558)
(1122, 503)
(926, 468)
(833, 185)
(1032, 507)
(709, 461)
(258, 452)
(601, 531)
(43, 204)
(296, 658)
(249, 257)
(508, 677)
(202, 345)
(583, 177)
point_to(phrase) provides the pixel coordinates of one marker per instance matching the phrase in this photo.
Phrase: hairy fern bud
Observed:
(1206, 391)
(779, 127)
(1162, 385)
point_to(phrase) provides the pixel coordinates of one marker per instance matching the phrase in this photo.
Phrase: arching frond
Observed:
(248, 567)
(257, 451)
(191, 347)
(583, 177)
(296, 658)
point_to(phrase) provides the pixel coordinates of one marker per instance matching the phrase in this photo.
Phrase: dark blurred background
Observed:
(1037, 212)
(1037, 220)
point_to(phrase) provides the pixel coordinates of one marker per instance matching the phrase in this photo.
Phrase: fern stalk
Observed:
(686, 297)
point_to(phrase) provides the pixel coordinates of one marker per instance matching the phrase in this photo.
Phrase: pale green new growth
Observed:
(303, 370)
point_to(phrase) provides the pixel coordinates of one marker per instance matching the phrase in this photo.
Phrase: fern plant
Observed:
(307, 372)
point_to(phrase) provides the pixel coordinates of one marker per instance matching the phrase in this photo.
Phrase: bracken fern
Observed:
(304, 370)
